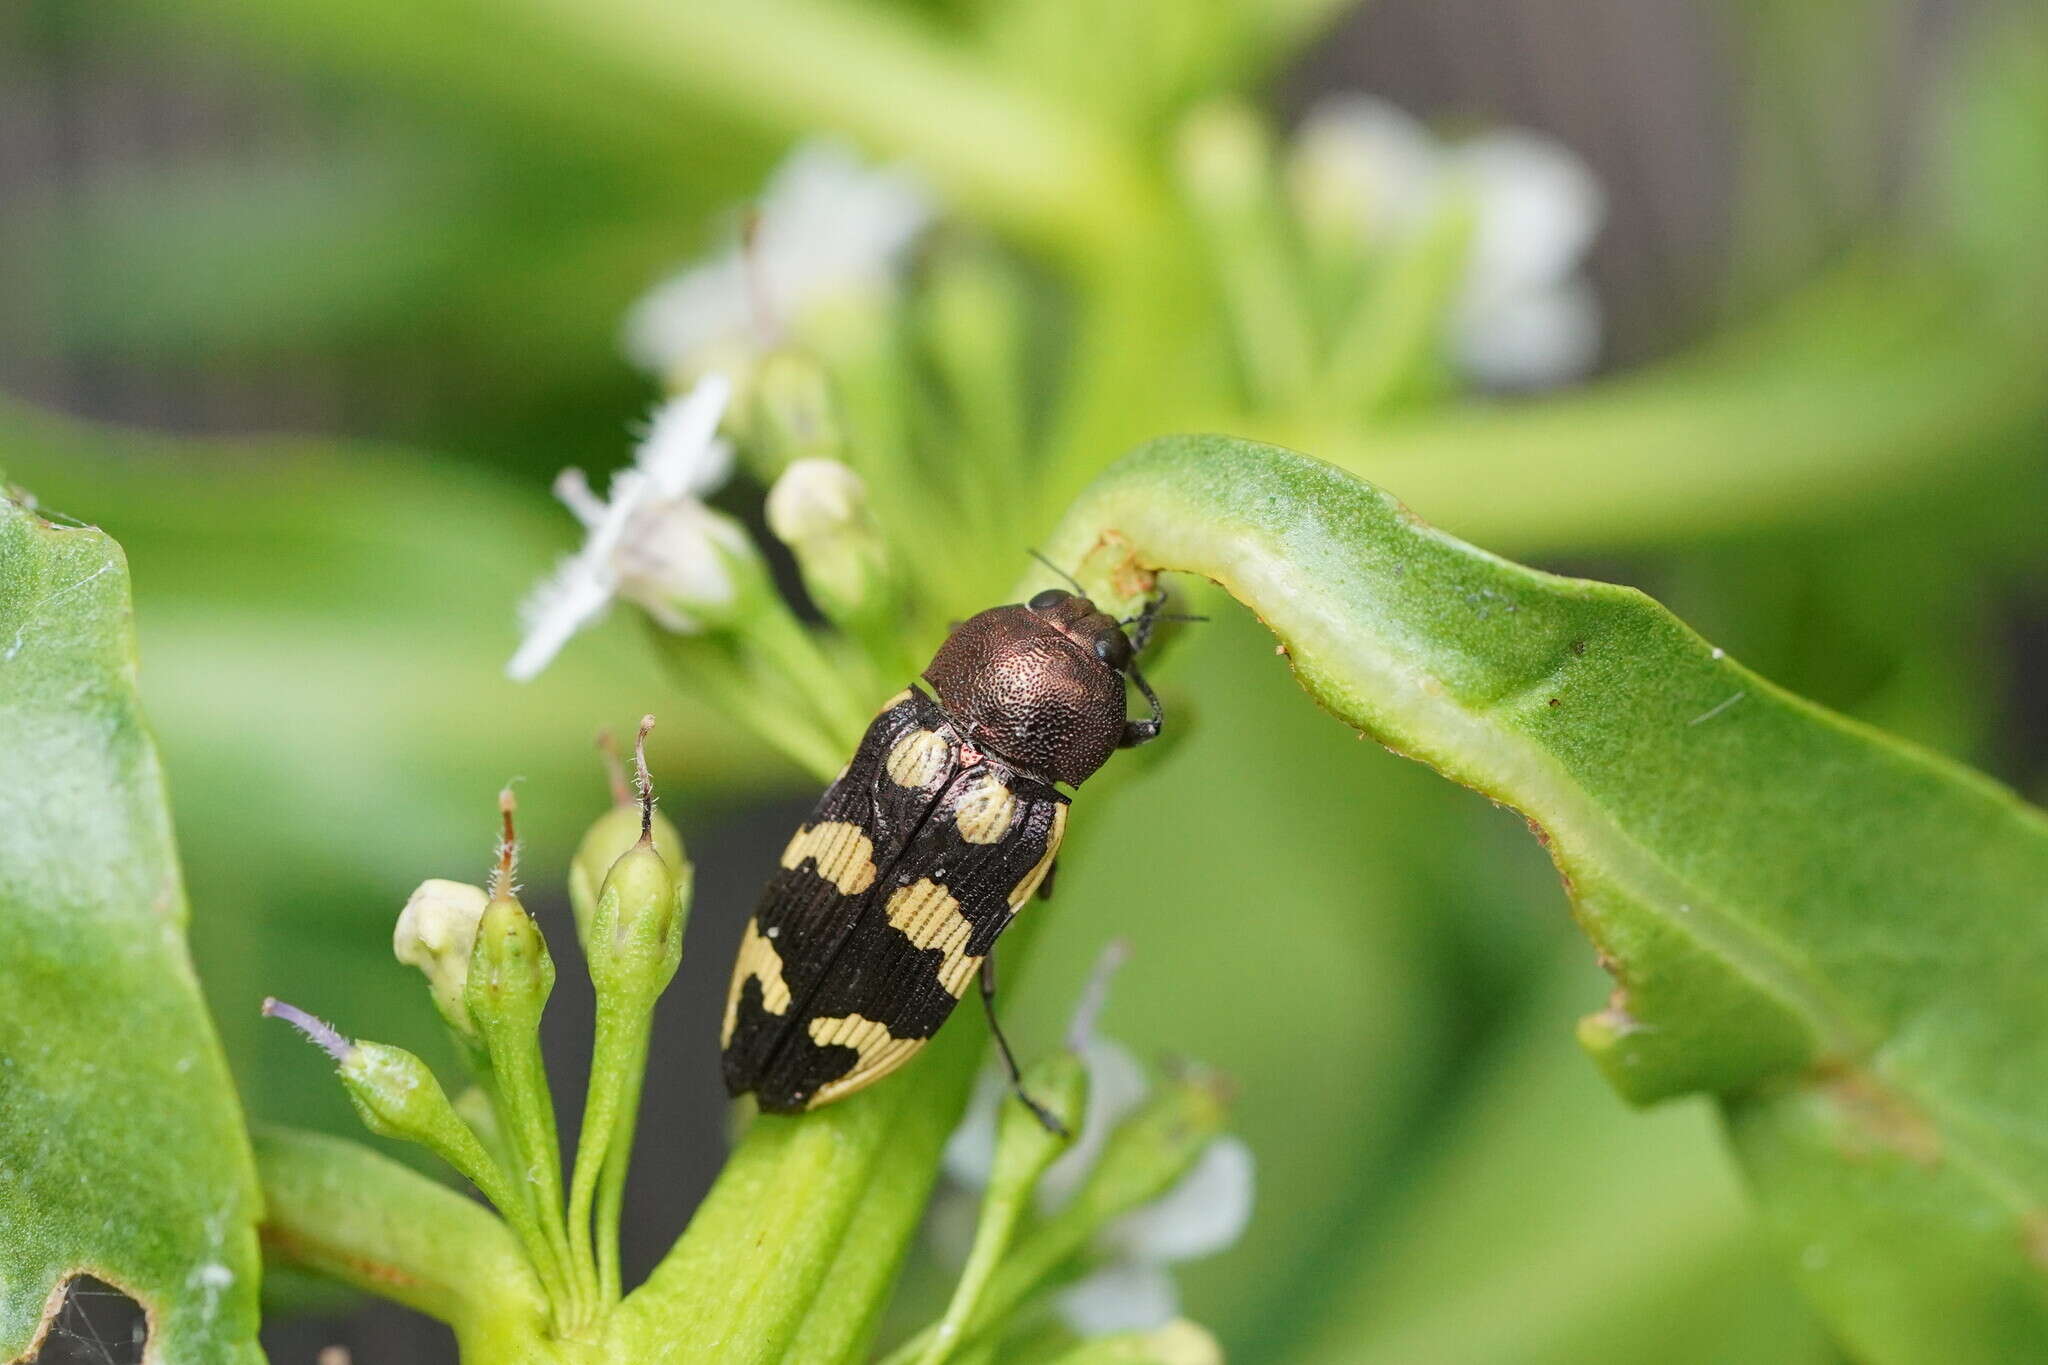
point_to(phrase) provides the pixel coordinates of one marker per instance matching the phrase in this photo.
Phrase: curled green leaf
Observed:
(1838, 934)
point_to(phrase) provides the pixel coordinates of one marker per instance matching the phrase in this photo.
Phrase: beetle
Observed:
(940, 829)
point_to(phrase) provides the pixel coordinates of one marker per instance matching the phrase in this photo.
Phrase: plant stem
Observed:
(526, 1118)
(611, 1185)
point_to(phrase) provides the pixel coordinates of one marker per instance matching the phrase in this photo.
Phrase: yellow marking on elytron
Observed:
(930, 917)
(845, 855)
(757, 958)
(895, 701)
(917, 759)
(986, 810)
(1028, 888)
(880, 1053)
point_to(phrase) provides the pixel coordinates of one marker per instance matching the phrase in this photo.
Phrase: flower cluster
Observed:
(490, 974)
(1364, 174)
(886, 419)
(1141, 1180)
(826, 228)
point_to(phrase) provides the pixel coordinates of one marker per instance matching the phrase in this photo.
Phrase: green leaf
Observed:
(1841, 936)
(122, 1153)
(335, 1208)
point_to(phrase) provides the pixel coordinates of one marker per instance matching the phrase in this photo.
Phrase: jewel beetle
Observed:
(945, 823)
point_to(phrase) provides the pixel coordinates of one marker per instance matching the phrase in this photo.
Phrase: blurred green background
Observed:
(305, 304)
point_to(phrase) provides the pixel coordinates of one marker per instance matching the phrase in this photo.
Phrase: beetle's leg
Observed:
(988, 1003)
(1045, 883)
(1145, 621)
(1136, 732)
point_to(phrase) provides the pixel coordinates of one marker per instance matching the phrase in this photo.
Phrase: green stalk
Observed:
(1226, 171)
(793, 652)
(611, 1183)
(710, 671)
(1024, 1149)
(1390, 340)
(605, 1142)
(526, 1117)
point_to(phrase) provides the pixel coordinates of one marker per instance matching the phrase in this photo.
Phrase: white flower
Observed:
(650, 539)
(1525, 318)
(1203, 1212)
(434, 933)
(826, 226)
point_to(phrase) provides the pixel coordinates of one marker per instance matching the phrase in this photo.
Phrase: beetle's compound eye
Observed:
(1048, 599)
(1113, 649)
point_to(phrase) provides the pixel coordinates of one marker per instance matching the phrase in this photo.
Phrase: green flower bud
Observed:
(819, 508)
(397, 1096)
(636, 936)
(1155, 1146)
(608, 839)
(789, 413)
(1024, 1145)
(510, 972)
(435, 933)
(633, 934)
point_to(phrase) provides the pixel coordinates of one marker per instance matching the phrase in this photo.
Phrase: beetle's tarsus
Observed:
(988, 1004)
(1137, 732)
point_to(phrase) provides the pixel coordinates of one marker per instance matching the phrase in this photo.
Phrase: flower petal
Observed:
(830, 225)
(1361, 161)
(674, 560)
(1533, 339)
(826, 224)
(688, 313)
(680, 455)
(575, 595)
(1538, 206)
(572, 490)
(1205, 1211)
(1122, 1296)
(580, 588)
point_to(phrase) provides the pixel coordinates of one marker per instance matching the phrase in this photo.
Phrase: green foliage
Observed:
(1837, 934)
(325, 623)
(121, 1146)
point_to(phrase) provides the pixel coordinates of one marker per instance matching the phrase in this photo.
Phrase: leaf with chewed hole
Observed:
(1843, 937)
(122, 1152)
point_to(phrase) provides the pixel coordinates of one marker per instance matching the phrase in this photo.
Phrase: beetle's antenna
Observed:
(1079, 591)
(1149, 618)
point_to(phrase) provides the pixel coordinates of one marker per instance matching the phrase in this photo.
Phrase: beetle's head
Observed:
(1080, 620)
